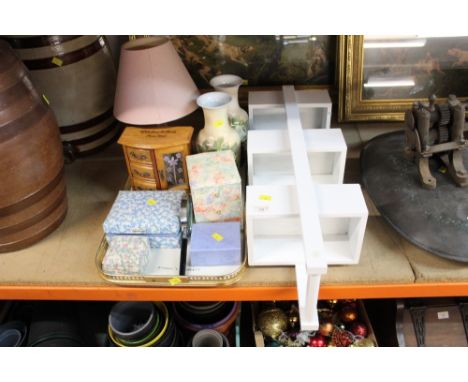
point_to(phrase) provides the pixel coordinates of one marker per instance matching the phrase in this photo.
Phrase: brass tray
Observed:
(173, 280)
(168, 281)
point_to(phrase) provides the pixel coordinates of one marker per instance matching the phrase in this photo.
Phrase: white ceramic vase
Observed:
(238, 117)
(217, 134)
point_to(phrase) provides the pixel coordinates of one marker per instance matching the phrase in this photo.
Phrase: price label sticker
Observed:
(46, 99)
(265, 197)
(443, 315)
(217, 236)
(174, 281)
(151, 202)
(219, 123)
(57, 61)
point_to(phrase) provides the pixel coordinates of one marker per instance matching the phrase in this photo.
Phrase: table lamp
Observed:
(154, 88)
(153, 85)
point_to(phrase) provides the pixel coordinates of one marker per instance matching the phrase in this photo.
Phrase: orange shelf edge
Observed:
(251, 293)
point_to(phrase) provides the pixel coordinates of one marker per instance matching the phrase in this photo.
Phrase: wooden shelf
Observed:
(61, 267)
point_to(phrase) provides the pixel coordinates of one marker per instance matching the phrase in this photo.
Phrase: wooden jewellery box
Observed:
(156, 157)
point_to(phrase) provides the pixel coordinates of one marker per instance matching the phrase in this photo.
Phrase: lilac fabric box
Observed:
(215, 244)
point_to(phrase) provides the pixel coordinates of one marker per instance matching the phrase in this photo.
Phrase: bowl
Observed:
(133, 320)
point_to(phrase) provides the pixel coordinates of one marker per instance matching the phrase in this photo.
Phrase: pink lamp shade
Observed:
(153, 85)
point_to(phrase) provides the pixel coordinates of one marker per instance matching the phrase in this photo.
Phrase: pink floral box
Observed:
(215, 185)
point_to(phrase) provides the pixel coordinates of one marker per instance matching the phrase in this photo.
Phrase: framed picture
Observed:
(381, 76)
(260, 60)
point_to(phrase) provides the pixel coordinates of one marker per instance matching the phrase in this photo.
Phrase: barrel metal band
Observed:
(26, 121)
(18, 206)
(36, 218)
(86, 124)
(66, 58)
(93, 137)
(84, 153)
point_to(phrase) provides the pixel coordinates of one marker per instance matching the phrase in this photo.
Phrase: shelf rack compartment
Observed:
(297, 211)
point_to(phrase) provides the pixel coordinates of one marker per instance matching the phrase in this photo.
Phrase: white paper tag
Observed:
(443, 315)
(163, 262)
(208, 270)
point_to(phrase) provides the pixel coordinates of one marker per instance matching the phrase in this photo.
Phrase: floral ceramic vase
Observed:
(238, 117)
(217, 134)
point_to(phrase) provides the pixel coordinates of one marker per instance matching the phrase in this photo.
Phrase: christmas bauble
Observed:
(326, 328)
(366, 342)
(318, 341)
(348, 314)
(359, 329)
(342, 338)
(272, 322)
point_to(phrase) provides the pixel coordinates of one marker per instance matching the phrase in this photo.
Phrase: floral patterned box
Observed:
(126, 255)
(155, 214)
(215, 185)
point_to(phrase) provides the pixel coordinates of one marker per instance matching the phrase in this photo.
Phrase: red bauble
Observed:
(359, 329)
(317, 341)
(348, 314)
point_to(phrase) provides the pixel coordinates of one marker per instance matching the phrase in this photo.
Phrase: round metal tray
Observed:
(435, 220)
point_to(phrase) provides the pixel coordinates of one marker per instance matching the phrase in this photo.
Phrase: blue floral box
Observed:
(155, 214)
(215, 244)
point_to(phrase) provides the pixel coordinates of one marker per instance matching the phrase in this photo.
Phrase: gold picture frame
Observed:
(352, 105)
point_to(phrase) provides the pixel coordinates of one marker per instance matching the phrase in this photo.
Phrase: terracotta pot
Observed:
(222, 325)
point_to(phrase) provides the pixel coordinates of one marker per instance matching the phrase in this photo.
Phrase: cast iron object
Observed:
(437, 130)
(435, 220)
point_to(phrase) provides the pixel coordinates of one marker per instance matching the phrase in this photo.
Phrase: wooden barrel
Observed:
(77, 75)
(32, 189)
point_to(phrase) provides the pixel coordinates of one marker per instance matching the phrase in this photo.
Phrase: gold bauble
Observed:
(348, 314)
(272, 322)
(326, 328)
(366, 342)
